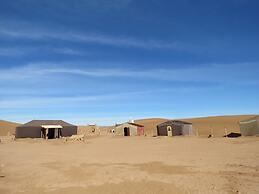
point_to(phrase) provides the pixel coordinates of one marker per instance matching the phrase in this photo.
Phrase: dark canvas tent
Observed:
(250, 126)
(46, 129)
(174, 128)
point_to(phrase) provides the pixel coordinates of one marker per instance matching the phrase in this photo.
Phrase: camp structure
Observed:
(47, 129)
(249, 127)
(129, 129)
(174, 128)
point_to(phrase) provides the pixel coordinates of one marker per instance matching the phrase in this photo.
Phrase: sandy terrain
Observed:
(146, 165)
(7, 128)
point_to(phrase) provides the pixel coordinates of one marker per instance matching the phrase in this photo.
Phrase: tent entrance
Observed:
(169, 131)
(51, 131)
(126, 131)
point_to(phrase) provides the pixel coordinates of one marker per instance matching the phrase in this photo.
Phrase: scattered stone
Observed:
(75, 138)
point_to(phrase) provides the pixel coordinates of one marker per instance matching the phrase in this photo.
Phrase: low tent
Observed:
(47, 129)
(175, 128)
(249, 127)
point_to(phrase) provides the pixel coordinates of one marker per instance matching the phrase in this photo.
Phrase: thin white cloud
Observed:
(76, 6)
(75, 101)
(68, 51)
(28, 50)
(13, 51)
(244, 73)
(118, 41)
(37, 102)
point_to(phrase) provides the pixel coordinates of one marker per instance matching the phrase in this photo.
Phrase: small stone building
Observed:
(174, 128)
(249, 127)
(129, 129)
(47, 129)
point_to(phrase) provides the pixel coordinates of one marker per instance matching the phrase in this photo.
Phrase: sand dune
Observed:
(204, 125)
(150, 125)
(7, 128)
(217, 125)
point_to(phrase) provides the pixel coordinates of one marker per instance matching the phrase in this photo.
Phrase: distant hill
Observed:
(204, 125)
(216, 125)
(7, 127)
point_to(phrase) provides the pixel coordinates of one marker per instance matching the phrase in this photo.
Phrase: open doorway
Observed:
(54, 133)
(126, 131)
(51, 133)
(169, 131)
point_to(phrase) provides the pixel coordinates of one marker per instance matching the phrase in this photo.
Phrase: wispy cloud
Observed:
(87, 100)
(21, 51)
(95, 38)
(68, 51)
(76, 6)
(13, 51)
(218, 73)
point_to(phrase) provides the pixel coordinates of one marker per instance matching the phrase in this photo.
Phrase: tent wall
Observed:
(35, 132)
(249, 127)
(140, 131)
(162, 131)
(119, 130)
(28, 132)
(177, 129)
(69, 131)
(187, 130)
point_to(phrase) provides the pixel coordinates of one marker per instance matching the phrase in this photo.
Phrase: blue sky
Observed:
(99, 61)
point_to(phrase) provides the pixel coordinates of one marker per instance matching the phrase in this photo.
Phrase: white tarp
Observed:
(51, 126)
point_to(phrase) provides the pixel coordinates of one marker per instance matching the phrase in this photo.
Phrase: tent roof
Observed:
(174, 122)
(51, 126)
(250, 119)
(135, 124)
(37, 123)
(138, 125)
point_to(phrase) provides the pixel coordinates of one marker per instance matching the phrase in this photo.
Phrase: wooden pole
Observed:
(211, 132)
(226, 132)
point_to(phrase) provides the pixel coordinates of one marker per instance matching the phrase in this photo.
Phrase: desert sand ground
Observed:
(7, 128)
(146, 165)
